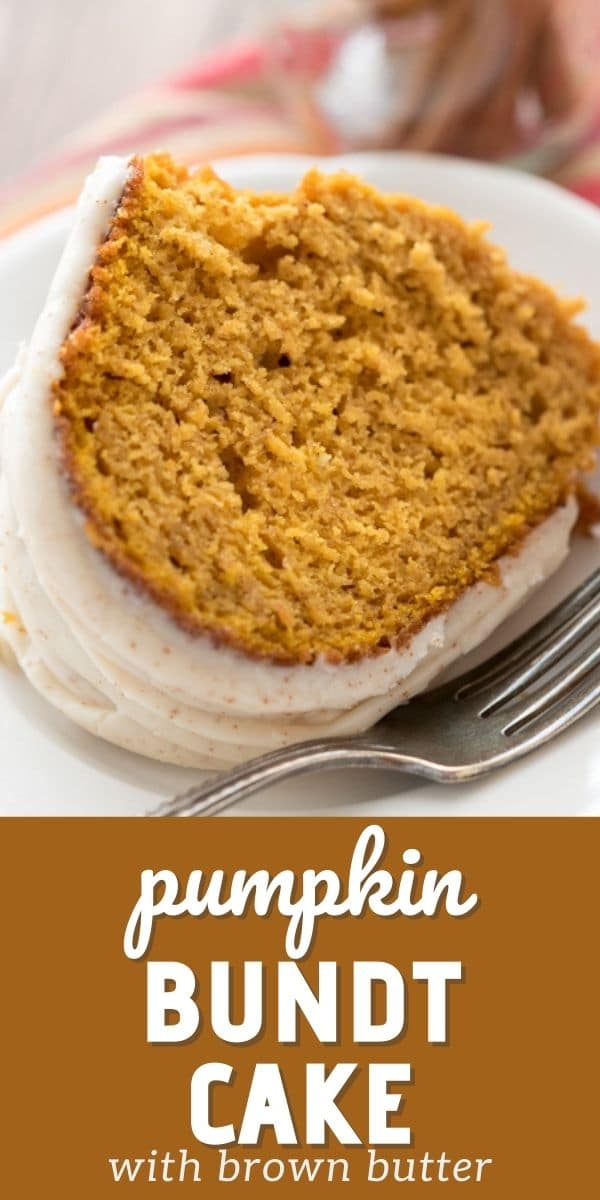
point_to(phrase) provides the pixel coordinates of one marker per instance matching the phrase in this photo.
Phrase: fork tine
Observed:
(545, 698)
(567, 616)
(564, 711)
(549, 653)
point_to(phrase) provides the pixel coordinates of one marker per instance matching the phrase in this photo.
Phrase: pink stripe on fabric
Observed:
(231, 111)
(235, 64)
(589, 189)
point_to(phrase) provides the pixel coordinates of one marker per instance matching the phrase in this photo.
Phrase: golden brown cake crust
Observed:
(304, 425)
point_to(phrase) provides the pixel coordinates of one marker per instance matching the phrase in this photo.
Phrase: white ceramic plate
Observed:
(49, 767)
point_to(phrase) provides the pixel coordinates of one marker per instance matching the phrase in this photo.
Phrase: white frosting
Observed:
(111, 660)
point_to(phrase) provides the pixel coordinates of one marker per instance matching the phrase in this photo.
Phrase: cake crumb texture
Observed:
(305, 424)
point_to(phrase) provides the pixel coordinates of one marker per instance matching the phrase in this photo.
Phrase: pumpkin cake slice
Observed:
(271, 462)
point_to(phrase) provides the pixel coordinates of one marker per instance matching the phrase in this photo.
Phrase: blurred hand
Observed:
(496, 69)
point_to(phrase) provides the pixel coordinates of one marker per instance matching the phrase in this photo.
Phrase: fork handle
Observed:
(263, 772)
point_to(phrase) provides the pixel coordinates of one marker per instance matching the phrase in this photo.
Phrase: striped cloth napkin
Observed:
(223, 106)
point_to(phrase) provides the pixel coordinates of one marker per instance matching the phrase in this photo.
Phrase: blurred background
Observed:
(514, 80)
(63, 62)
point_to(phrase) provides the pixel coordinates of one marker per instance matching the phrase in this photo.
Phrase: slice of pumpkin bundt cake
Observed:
(271, 461)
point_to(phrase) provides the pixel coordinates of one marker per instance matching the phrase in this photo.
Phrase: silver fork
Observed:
(493, 715)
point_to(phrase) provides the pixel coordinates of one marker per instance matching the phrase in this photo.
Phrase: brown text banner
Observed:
(423, 1010)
